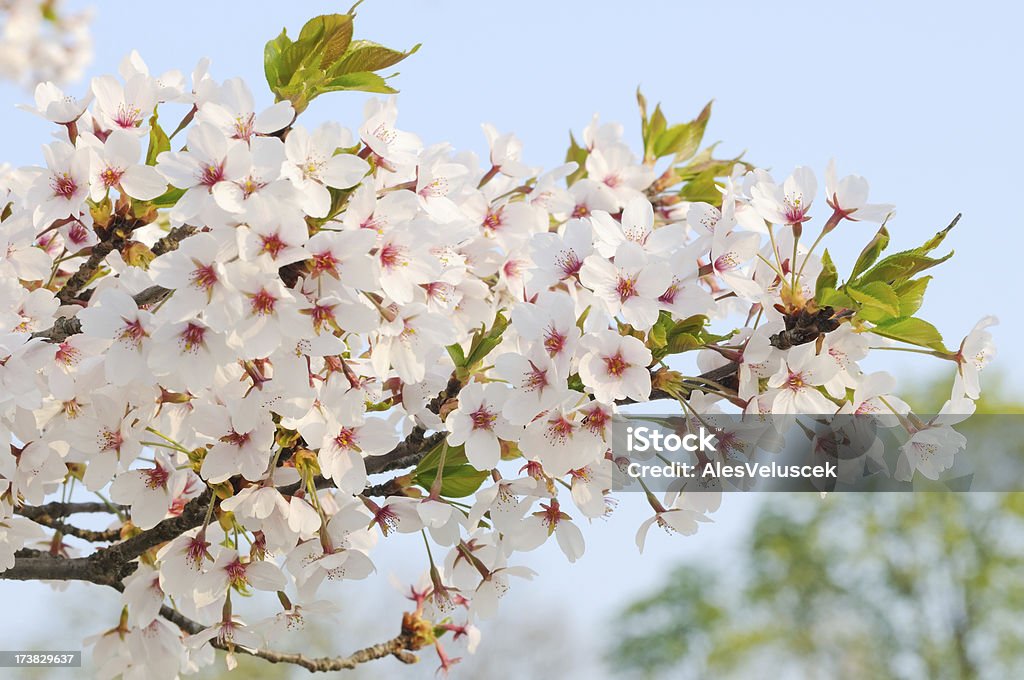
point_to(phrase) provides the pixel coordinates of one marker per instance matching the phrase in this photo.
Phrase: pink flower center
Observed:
(64, 186)
(559, 430)
(569, 262)
(392, 256)
(236, 574)
(192, 337)
(615, 365)
(795, 382)
(324, 263)
(262, 303)
(625, 287)
(596, 420)
(483, 419)
(244, 126)
(67, 354)
(132, 332)
(110, 440)
(212, 174)
(196, 551)
(493, 220)
(273, 245)
(346, 439)
(726, 262)
(321, 316)
(203, 276)
(386, 519)
(77, 234)
(128, 117)
(536, 378)
(111, 176)
(669, 296)
(156, 478)
(236, 439)
(554, 341)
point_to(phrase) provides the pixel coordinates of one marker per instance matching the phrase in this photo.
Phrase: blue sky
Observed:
(921, 98)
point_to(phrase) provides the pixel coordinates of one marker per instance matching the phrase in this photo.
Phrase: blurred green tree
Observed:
(884, 585)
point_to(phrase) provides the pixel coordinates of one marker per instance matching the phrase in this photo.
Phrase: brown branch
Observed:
(173, 239)
(85, 272)
(107, 536)
(399, 647)
(37, 566)
(120, 554)
(65, 327)
(57, 509)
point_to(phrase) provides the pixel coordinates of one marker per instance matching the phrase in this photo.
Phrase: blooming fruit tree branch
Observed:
(259, 348)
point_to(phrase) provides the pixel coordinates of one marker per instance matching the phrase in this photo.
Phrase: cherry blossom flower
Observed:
(849, 197)
(630, 286)
(232, 110)
(794, 388)
(148, 490)
(314, 164)
(976, 350)
(615, 367)
(60, 191)
(789, 203)
(536, 528)
(479, 424)
(535, 385)
(115, 165)
(124, 107)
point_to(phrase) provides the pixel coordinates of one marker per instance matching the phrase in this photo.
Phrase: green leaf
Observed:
(328, 36)
(658, 335)
(456, 456)
(702, 188)
(651, 130)
(834, 298)
(363, 81)
(871, 252)
(901, 266)
(484, 342)
(827, 279)
(911, 295)
(578, 155)
(913, 331)
(272, 61)
(169, 198)
(682, 140)
(364, 55)
(458, 481)
(457, 355)
(679, 336)
(935, 241)
(878, 295)
(158, 141)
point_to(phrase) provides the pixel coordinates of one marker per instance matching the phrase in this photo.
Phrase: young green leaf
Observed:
(913, 331)
(871, 252)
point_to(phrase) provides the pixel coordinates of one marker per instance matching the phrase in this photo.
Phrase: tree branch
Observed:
(65, 327)
(57, 509)
(398, 647)
(173, 239)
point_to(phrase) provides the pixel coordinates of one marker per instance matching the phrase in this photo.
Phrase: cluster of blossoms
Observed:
(253, 330)
(41, 42)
